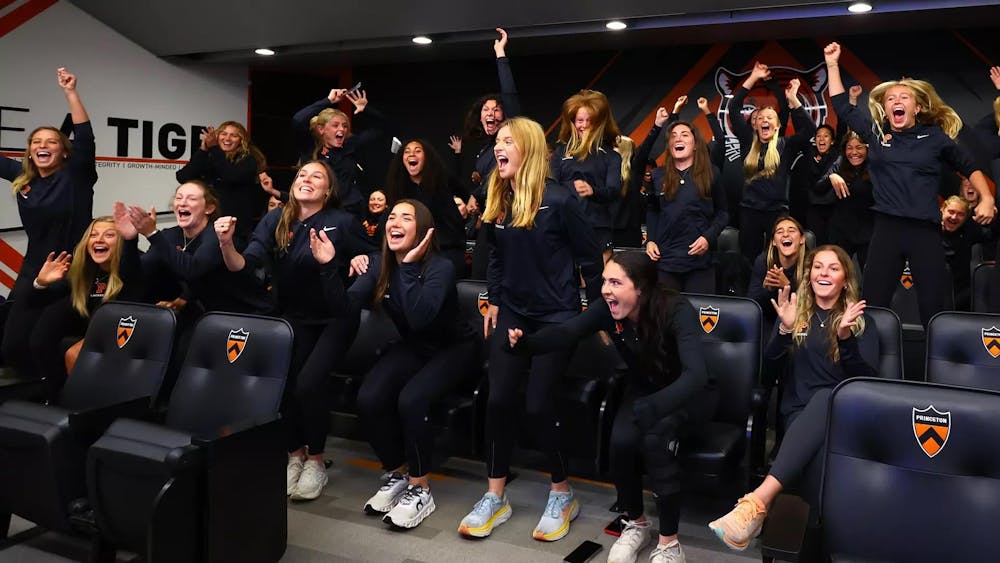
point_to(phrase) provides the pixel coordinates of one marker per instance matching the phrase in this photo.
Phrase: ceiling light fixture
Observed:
(859, 7)
(422, 40)
(616, 25)
(264, 51)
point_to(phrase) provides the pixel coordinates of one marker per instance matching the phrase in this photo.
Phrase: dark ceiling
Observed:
(326, 33)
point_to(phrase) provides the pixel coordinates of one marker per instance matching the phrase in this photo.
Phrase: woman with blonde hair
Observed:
(53, 186)
(538, 237)
(766, 157)
(822, 327)
(585, 160)
(326, 134)
(229, 162)
(910, 135)
(104, 266)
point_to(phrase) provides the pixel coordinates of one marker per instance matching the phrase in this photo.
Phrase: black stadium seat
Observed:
(964, 349)
(732, 346)
(909, 475)
(43, 448)
(890, 342)
(206, 485)
(982, 275)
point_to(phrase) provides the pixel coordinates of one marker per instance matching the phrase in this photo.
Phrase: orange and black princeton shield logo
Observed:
(906, 279)
(484, 303)
(991, 340)
(236, 343)
(709, 318)
(126, 326)
(931, 428)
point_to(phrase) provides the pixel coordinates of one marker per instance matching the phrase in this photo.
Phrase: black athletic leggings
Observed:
(57, 325)
(26, 303)
(798, 465)
(695, 281)
(317, 350)
(506, 374)
(396, 396)
(755, 228)
(895, 240)
(633, 451)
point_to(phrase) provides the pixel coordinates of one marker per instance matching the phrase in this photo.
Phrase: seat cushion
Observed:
(22, 423)
(141, 440)
(708, 450)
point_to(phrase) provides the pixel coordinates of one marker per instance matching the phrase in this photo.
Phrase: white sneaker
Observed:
(670, 553)
(388, 494)
(311, 482)
(415, 504)
(626, 548)
(293, 472)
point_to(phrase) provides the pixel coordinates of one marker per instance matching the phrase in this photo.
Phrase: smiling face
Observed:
(827, 277)
(335, 131)
(901, 107)
(856, 152)
(101, 243)
(47, 151)
(766, 124)
(581, 121)
(190, 208)
(969, 192)
(824, 140)
(507, 154)
(230, 139)
(376, 202)
(681, 143)
(401, 228)
(311, 184)
(413, 159)
(953, 216)
(490, 116)
(787, 238)
(619, 292)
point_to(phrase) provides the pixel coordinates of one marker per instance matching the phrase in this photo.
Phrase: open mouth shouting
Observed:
(396, 237)
(490, 126)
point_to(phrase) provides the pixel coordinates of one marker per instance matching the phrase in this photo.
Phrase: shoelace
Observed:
(746, 510)
(411, 494)
(673, 548)
(555, 505)
(633, 532)
(484, 505)
(390, 480)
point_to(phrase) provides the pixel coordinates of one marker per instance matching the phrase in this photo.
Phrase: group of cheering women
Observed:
(549, 221)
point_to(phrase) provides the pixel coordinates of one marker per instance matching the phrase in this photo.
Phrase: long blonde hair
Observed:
(806, 304)
(933, 110)
(626, 148)
(602, 124)
(773, 254)
(290, 211)
(246, 148)
(996, 113)
(522, 199)
(28, 169)
(772, 157)
(319, 121)
(83, 270)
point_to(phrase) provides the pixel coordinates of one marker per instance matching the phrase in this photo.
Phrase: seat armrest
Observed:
(784, 534)
(234, 431)
(93, 422)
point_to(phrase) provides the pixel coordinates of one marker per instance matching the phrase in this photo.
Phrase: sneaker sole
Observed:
(311, 495)
(560, 532)
(486, 529)
(413, 522)
(721, 534)
(380, 509)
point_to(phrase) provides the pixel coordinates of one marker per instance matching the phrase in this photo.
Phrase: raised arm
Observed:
(508, 90)
(67, 81)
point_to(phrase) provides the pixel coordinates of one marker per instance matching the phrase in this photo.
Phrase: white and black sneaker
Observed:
(388, 494)
(415, 504)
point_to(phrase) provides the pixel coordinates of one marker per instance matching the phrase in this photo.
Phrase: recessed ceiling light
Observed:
(616, 25)
(859, 7)
(264, 51)
(422, 40)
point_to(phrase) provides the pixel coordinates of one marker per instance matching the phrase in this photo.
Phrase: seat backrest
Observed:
(375, 331)
(890, 342)
(124, 356)
(910, 472)
(731, 340)
(981, 276)
(810, 240)
(904, 300)
(473, 301)
(964, 349)
(729, 240)
(234, 371)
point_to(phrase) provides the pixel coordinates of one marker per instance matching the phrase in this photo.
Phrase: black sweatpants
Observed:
(396, 396)
(695, 281)
(755, 228)
(56, 324)
(634, 451)
(506, 374)
(26, 303)
(895, 240)
(318, 348)
(798, 465)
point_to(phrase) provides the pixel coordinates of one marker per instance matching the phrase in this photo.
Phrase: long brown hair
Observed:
(425, 221)
(290, 212)
(701, 168)
(772, 251)
(83, 270)
(28, 169)
(246, 147)
(603, 129)
(806, 301)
